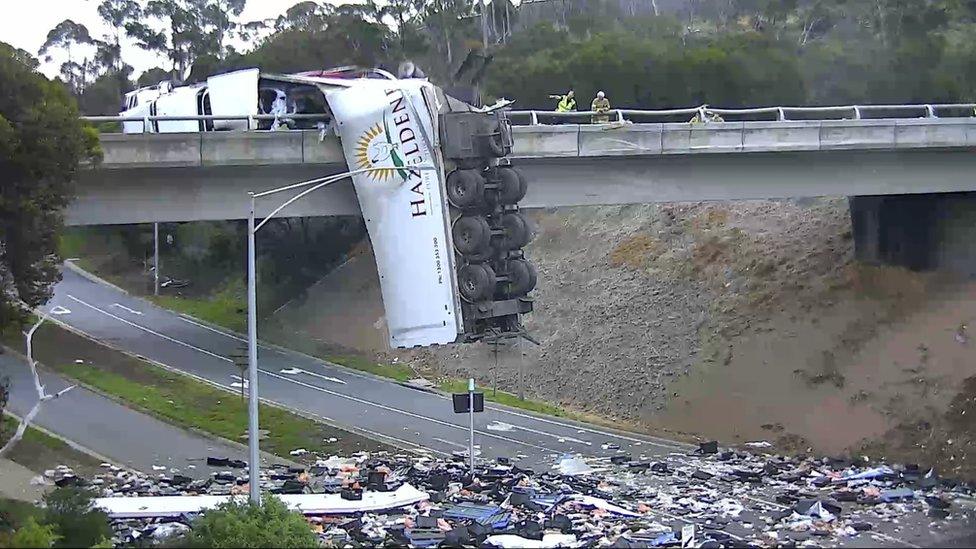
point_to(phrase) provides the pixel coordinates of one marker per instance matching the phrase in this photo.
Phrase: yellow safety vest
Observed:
(566, 104)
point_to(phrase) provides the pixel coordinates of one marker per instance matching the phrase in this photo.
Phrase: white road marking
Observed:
(124, 308)
(654, 441)
(664, 443)
(403, 412)
(455, 444)
(327, 378)
(212, 329)
(153, 332)
(560, 438)
(671, 445)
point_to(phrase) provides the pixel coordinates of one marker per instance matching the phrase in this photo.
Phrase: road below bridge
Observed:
(376, 407)
(390, 412)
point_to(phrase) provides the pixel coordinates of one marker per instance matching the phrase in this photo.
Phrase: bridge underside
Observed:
(143, 195)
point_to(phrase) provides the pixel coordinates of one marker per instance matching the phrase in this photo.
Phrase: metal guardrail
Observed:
(704, 113)
(251, 120)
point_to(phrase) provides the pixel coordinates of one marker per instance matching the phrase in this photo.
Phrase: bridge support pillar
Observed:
(919, 231)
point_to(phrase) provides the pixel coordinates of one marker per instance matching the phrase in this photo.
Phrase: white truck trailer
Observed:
(438, 195)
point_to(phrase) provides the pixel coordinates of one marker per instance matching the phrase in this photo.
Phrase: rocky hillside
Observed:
(738, 321)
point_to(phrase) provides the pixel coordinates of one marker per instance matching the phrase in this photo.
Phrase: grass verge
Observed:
(227, 307)
(182, 400)
(38, 451)
(398, 372)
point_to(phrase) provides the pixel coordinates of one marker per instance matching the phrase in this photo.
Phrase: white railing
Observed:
(250, 120)
(703, 113)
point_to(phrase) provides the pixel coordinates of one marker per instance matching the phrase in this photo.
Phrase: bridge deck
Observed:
(205, 176)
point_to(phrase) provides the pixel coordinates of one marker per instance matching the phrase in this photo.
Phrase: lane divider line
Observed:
(405, 412)
(225, 359)
(153, 332)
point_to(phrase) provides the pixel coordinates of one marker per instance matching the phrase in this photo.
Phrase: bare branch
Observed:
(42, 397)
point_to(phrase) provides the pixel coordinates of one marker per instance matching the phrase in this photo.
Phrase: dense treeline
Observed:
(643, 53)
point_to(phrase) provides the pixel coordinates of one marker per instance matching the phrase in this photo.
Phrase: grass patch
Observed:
(14, 513)
(398, 372)
(38, 451)
(227, 307)
(506, 399)
(184, 401)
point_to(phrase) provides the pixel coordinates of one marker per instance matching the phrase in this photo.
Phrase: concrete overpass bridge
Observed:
(899, 165)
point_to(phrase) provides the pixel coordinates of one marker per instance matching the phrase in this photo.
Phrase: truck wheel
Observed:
(521, 277)
(511, 185)
(516, 231)
(472, 235)
(465, 188)
(476, 282)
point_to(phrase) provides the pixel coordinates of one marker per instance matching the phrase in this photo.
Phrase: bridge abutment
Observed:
(917, 231)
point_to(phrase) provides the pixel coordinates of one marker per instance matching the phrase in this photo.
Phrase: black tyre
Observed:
(465, 188)
(471, 234)
(522, 278)
(511, 185)
(516, 231)
(476, 282)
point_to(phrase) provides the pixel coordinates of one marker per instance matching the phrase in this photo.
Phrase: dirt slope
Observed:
(737, 321)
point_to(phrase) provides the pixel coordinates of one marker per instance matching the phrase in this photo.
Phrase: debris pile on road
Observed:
(707, 498)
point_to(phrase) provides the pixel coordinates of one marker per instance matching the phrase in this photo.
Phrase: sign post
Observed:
(471, 424)
(469, 403)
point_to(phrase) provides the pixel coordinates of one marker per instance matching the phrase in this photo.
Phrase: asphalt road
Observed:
(379, 408)
(124, 436)
(376, 407)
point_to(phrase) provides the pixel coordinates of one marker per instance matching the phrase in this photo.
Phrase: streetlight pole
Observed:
(252, 365)
(254, 466)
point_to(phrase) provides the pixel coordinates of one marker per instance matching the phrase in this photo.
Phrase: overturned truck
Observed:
(438, 194)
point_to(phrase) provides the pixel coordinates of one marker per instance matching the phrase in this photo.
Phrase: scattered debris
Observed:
(698, 498)
(421, 383)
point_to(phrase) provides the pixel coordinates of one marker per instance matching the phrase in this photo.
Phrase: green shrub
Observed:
(32, 534)
(245, 525)
(70, 510)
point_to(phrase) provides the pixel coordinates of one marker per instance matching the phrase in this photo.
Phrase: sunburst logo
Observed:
(373, 150)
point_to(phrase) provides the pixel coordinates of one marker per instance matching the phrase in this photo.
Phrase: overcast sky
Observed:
(27, 23)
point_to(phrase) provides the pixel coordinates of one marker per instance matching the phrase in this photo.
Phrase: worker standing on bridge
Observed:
(601, 106)
(567, 103)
